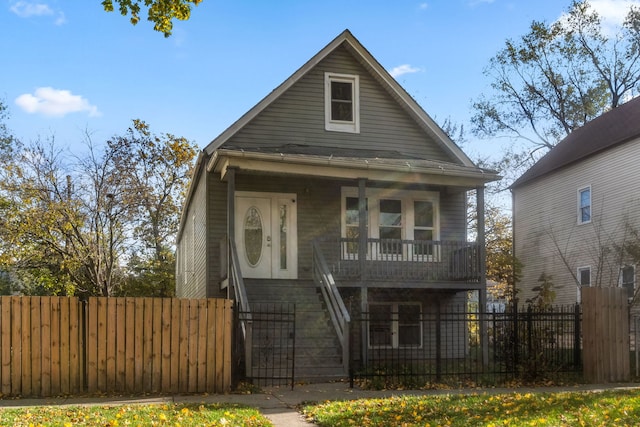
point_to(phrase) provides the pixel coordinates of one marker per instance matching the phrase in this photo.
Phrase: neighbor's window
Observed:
(584, 279)
(584, 205)
(342, 103)
(390, 226)
(628, 279)
(395, 325)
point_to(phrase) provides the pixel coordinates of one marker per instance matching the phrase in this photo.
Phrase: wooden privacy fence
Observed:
(61, 345)
(605, 339)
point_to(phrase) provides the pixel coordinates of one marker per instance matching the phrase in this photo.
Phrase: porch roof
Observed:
(339, 163)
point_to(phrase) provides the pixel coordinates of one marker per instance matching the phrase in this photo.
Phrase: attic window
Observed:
(342, 103)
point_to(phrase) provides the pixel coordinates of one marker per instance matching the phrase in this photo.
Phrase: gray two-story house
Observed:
(339, 193)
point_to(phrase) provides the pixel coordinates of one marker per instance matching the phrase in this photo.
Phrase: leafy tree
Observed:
(160, 12)
(156, 171)
(557, 77)
(75, 225)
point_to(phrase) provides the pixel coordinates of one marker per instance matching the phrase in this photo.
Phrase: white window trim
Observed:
(338, 125)
(407, 198)
(395, 326)
(580, 285)
(579, 210)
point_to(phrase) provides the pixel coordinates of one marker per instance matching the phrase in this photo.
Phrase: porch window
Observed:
(390, 230)
(342, 103)
(352, 224)
(395, 325)
(628, 279)
(584, 205)
(423, 228)
(405, 223)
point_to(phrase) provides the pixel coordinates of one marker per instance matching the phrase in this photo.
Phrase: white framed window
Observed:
(404, 224)
(584, 205)
(342, 102)
(627, 279)
(395, 325)
(584, 279)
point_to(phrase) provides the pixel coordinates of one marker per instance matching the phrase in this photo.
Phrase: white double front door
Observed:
(266, 235)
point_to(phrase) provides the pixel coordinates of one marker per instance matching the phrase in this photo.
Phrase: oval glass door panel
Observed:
(253, 235)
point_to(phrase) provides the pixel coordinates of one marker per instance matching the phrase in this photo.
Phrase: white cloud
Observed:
(611, 12)
(25, 9)
(55, 103)
(403, 69)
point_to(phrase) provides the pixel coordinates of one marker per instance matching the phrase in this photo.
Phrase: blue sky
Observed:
(71, 69)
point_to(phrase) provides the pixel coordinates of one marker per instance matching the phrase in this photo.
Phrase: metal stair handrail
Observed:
(240, 293)
(337, 310)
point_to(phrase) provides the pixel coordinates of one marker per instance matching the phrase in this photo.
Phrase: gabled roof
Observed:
(615, 127)
(377, 71)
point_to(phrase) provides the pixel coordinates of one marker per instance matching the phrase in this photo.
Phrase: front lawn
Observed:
(212, 415)
(621, 408)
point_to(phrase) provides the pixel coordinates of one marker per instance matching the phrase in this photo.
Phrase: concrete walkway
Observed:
(280, 404)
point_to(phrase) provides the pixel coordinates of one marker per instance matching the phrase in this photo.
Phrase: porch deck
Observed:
(418, 261)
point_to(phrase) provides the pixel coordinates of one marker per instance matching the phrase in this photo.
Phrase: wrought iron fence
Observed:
(269, 353)
(526, 344)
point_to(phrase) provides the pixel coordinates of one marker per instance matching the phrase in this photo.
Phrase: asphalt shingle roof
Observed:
(614, 127)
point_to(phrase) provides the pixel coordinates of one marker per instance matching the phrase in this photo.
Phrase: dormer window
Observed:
(342, 102)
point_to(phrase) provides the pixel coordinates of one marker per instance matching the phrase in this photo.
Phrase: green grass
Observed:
(134, 415)
(515, 409)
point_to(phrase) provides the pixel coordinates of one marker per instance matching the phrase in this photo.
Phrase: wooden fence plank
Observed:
(138, 336)
(130, 345)
(121, 345)
(5, 342)
(26, 346)
(156, 350)
(202, 346)
(75, 360)
(16, 342)
(166, 345)
(176, 327)
(55, 346)
(102, 343)
(112, 347)
(211, 347)
(36, 349)
(45, 333)
(92, 345)
(226, 336)
(64, 345)
(184, 346)
(192, 361)
(147, 344)
(219, 346)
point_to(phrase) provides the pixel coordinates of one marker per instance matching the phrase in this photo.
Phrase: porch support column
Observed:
(482, 272)
(362, 225)
(231, 219)
(362, 258)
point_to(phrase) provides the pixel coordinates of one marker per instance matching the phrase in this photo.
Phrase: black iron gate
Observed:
(269, 343)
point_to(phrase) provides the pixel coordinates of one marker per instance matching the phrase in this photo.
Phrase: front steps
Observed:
(318, 354)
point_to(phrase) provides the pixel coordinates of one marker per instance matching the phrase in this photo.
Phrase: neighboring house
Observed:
(337, 176)
(578, 205)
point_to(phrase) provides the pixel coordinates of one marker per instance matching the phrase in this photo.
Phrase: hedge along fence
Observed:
(61, 345)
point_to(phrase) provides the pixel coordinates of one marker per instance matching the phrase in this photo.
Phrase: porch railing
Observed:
(395, 259)
(240, 293)
(337, 310)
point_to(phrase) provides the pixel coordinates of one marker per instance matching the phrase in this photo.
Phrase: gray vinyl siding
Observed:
(191, 266)
(216, 232)
(546, 209)
(297, 117)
